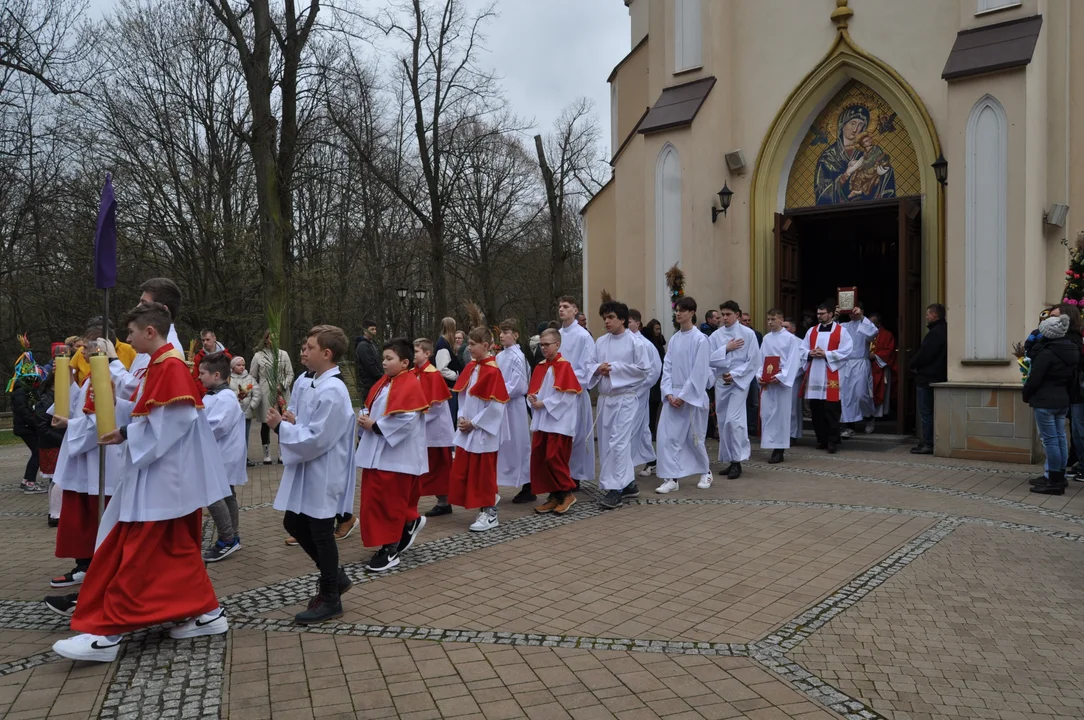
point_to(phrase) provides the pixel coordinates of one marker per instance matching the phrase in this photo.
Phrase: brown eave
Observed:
(600, 191)
(990, 48)
(613, 73)
(677, 106)
(629, 137)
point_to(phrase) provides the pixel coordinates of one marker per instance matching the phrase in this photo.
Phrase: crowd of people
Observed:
(454, 419)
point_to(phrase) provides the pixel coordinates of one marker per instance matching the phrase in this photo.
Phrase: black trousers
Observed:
(265, 433)
(316, 536)
(31, 464)
(826, 416)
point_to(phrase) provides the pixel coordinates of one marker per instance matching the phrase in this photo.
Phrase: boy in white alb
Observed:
(552, 395)
(165, 292)
(392, 457)
(439, 429)
(735, 362)
(683, 423)
(227, 420)
(643, 449)
(514, 455)
(776, 396)
(318, 459)
(620, 369)
(147, 567)
(578, 347)
(856, 375)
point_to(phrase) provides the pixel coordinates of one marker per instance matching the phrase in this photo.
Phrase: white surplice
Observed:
(856, 377)
(400, 446)
(439, 425)
(797, 408)
(487, 417)
(318, 476)
(743, 365)
(514, 455)
(777, 399)
(578, 347)
(77, 462)
(560, 412)
(618, 399)
(227, 421)
(816, 382)
(126, 381)
(686, 374)
(643, 451)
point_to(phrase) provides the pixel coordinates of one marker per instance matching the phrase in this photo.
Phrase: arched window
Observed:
(667, 228)
(688, 35)
(987, 230)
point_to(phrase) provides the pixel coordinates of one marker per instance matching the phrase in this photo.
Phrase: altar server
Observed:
(578, 347)
(552, 394)
(514, 455)
(643, 449)
(735, 362)
(856, 377)
(783, 351)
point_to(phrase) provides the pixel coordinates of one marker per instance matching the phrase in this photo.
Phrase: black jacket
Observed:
(1053, 376)
(49, 437)
(369, 367)
(930, 364)
(23, 399)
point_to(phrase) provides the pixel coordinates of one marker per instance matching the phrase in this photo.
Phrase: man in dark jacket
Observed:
(929, 366)
(1050, 390)
(369, 364)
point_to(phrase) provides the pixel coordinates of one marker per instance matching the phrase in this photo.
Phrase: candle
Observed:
(103, 394)
(62, 385)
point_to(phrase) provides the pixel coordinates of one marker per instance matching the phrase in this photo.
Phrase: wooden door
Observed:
(911, 317)
(787, 273)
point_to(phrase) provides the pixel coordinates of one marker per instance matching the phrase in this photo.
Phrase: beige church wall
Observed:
(633, 230)
(1027, 8)
(599, 260)
(632, 97)
(638, 20)
(1075, 222)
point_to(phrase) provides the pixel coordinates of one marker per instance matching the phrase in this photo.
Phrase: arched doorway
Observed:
(844, 194)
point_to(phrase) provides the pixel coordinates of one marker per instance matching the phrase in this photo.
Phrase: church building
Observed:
(921, 152)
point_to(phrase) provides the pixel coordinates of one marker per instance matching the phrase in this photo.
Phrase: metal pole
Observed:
(101, 448)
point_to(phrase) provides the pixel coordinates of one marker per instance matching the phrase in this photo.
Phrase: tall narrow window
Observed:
(667, 229)
(986, 243)
(687, 35)
(991, 5)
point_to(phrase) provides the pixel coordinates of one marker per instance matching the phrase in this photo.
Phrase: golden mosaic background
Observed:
(888, 132)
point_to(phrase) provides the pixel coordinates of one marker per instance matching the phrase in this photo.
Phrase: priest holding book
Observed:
(782, 352)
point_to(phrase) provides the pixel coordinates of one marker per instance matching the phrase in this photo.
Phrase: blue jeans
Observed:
(1076, 422)
(924, 400)
(1051, 426)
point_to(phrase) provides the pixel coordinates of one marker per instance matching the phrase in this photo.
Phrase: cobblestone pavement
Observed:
(870, 584)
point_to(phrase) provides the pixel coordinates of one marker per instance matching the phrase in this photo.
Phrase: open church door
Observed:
(910, 308)
(787, 275)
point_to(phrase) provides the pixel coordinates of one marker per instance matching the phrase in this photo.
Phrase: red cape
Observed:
(167, 382)
(884, 347)
(405, 394)
(88, 406)
(433, 384)
(490, 385)
(564, 376)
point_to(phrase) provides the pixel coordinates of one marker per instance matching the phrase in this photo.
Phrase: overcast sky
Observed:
(547, 52)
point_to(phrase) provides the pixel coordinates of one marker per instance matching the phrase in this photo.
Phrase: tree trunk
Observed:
(557, 249)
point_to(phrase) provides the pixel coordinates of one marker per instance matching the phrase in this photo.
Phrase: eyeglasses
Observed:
(549, 344)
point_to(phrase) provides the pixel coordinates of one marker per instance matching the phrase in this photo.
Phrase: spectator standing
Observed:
(447, 362)
(368, 369)
(262, 362)
(929, 366)
(208, 344)
(248, 394)
(1051, 387)
(711, 323)
(653, 333)
(461, 350)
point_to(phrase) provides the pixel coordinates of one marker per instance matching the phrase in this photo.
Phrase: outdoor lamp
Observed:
(940, 170)
(725, 196)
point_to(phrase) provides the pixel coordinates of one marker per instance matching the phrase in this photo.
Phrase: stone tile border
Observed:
(813, 455)
(28, 662)
(21, 514)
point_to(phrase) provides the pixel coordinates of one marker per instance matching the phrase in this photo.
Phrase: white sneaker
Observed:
(705, 481)
(95, 648)
(869, 426)
(668, 486)
(497, 500)
(485, 521)
(846, 432)
(212, 623)
(648, 470)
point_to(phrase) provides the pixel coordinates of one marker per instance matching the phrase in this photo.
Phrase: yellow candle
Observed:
(104, 411)
(62, 385)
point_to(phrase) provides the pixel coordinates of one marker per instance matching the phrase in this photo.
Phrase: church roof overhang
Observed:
(992, 48)
(677, 106)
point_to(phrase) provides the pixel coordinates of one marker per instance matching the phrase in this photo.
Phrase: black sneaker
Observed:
(631, 491)
(344, 583)
(221, 550)
(438, 510)
(68, 579)
(577, 488)
(611, 500)
(921, 449)
(734, 471)
(63, 605)
(524, 495)
(54, 522)
(326, 607)
(385, 559)
(410, 532)
(777, 456)
(831, 448)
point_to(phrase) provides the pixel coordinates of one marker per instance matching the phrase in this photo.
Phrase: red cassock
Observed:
(434, 482)
(148, 573)
(78, 529)
(550, 452)
(389, 500)
(473, 480)
(884, 347)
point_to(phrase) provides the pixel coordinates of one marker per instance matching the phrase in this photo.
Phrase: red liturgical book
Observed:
(771, 368)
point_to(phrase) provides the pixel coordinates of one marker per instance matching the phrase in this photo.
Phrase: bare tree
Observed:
(577, 175)
(37, 40)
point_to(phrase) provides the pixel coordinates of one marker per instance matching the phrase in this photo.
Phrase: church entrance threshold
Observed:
(874, 246)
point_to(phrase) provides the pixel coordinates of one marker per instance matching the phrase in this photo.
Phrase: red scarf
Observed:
(832, 393)
(564, 376)
(433, 384)
(405, 394)
(490, 384)
(167, 381)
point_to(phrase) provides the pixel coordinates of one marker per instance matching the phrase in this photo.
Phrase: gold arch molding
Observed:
(844, 61)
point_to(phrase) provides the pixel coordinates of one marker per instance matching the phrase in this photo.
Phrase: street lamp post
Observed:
(418, 295)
